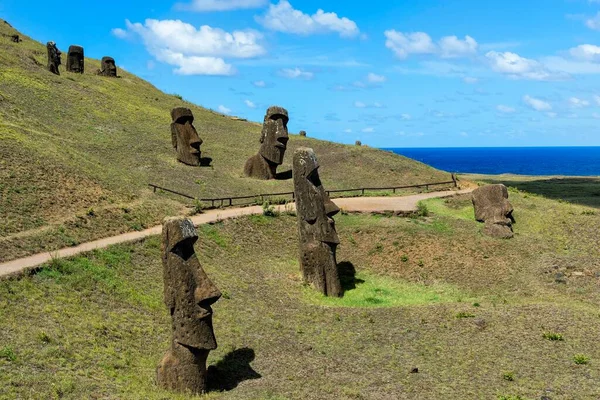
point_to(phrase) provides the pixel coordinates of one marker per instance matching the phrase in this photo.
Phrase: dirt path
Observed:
(354, 204)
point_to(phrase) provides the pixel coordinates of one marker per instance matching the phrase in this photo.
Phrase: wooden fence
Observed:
(260, 198)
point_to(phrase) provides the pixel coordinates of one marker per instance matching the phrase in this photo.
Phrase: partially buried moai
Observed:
(493, 208)
(316, 227)
(75, 59)
(188, 294)
(273, 139)
(185, 137)
(53, 58)
(108, 67)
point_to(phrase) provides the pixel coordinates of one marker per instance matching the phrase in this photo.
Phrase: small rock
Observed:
(577, 273)
(415, 370)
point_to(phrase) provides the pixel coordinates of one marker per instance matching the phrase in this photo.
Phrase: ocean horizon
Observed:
(563, 160)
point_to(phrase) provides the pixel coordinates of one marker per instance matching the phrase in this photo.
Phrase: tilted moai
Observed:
(316, 228)
(188, 294)
(273, 139)
(185, 137)
(75, 59)
(493, 208)
(53, 58)
(108, 67)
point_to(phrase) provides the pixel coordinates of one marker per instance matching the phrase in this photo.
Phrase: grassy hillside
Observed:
(77, 152)
(480, 318)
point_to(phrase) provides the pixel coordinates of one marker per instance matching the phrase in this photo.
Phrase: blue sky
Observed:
(391, 74)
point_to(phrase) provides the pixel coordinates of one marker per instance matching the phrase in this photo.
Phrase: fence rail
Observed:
(228, 201)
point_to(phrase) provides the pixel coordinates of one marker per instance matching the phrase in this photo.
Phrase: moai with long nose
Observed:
(188, 294)
(53, 58)
(316, 227)
(273, 139)
(184, 136)
(75, 58)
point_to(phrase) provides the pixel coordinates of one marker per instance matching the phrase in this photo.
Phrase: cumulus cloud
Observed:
(405, 44)
(295, 73)
(505, 109)
(249, 104)
(587, 52)
(120, 33)
(282, 17)
(517, 67)
(194, 51)
(223, 109)
(219, 5)
(578, 103)
(374, 78)
(537, 104)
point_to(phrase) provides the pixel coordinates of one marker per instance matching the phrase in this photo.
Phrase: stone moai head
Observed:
(184, 136)
(53, 58)
(316, 227)
(75, 59)
(303, 133)
(358, 143)
(274, 135)
(492, 207)
(108, 67)
(15, 38)
(188, 294)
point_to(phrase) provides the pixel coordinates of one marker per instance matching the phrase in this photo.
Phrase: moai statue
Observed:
(273, 139)
(303, 133)
(185, 137)
(15, 38)
(188, 294)
(316, 228)
(53, 58)
(492, 207)
(108, 67)
(75, 59)
(358, 143)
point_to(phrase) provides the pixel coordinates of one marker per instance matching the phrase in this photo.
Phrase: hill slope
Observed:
(73, 142)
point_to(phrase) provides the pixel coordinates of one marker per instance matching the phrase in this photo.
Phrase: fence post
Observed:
(363, 191)
(454, 179)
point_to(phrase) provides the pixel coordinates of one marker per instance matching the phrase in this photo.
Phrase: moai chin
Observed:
(273, 139)
(53, 58)
(108, 67)
(188, 294)
(184, 136)
(316, 227)
(492, 207)
(75, 60)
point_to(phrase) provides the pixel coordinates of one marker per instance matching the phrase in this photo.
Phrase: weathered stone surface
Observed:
(358, 143)
(108, 67)
(53, 58)
(316, 227)
(273, 139)
(303, 133)
(75, 60)
(492, 207)
(188, 294)
(15, 38)
(184, 136)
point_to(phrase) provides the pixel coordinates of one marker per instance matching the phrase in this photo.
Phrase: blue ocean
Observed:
(579, 161)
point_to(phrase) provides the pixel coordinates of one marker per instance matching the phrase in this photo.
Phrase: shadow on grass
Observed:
(347, 274)
(205, 161)
(582, 191)
(232, 369)
(284, 176)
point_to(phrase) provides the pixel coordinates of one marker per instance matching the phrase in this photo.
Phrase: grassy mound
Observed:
(78, 151)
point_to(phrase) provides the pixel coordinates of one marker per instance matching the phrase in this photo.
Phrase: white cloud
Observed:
(537, 104)
(505, 109)
(368, 130)
(587, 52)
(410, 43)
(464, 134)
(120, 33)
(249, 104)
(348, 130)
(282, 17)
(259, 84)
(578, 103)
(295, 73)
(378, 105)
(405, 117)
(359, 104)
(452, 47)
(223, 109)
(194, 51)
(470, 80)
(219, 5)
(597, 99)
(518, 67)
(374, 78)
(594, 22)
(565, 67)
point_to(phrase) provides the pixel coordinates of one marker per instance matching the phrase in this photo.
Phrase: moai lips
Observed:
(75, 60)
(184, 136)
(53, 58)
(274, 138)
(188, 294)
(492, 207)
(316, 227)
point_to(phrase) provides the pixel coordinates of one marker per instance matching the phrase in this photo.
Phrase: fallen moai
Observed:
(493, 208)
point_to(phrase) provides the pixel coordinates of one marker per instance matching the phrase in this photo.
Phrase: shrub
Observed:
(553, 336)
(463, 314)
(581, 359)
(508, 376)
(198, 207)
(268, 209)
(8, 353)
(422, 210)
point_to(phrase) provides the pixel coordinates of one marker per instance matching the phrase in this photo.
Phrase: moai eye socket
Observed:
(313, 178)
